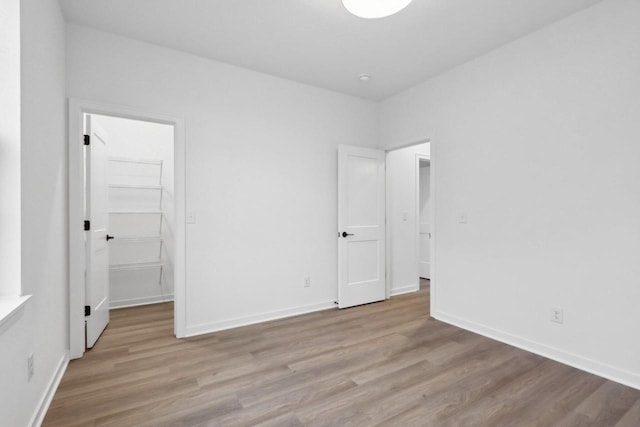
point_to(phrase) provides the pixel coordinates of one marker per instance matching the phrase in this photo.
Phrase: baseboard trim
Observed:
(404, 290)
(43, 407)
(134, 302)
(222, 325)
(592, 366)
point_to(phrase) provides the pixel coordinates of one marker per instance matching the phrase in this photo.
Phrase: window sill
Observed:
(9, 307)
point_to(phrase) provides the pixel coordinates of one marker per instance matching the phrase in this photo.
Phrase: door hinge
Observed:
(87, 310)
(87, 140)
(87, 225)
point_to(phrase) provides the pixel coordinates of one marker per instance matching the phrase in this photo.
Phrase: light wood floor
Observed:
(384, 364)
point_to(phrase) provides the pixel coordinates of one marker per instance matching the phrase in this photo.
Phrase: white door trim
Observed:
(434, 234)
(388, 215)
(77, 261)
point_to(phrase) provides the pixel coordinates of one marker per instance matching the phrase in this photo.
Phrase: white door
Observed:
(425, 221)
(97, 274)
(361, 226)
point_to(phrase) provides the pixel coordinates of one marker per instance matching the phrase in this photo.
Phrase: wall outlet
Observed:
(30, 367)
(462, 218)
(191, 217)
(557, 315)
(307, 282)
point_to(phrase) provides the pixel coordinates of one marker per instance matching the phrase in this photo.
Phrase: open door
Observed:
(361, 226)
(96, 193)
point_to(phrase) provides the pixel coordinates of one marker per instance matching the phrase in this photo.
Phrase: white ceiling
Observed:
(318, 42)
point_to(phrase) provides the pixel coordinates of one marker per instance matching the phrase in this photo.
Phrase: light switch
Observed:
(462, 218)
(191, 217)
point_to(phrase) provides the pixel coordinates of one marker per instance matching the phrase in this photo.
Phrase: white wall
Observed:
(134, 139)
(402, 208)
(261, 171)
(537, 142)
(10, 147)
(42, 328)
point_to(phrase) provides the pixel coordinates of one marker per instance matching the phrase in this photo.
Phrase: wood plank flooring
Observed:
(384, 364)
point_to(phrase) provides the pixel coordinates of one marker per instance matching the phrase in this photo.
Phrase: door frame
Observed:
(432, 180)
(77, 259)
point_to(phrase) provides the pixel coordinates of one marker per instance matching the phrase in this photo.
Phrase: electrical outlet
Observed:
(191, 217)
(557, 315)
(307, 282)
(30, 367)
(462, 218)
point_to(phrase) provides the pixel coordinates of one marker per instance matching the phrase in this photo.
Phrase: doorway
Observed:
(140, 210)
(385, 204)
(137, 170)
(409, 218)
(129, 207)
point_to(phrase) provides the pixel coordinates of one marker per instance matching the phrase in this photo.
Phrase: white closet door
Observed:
(97, 282)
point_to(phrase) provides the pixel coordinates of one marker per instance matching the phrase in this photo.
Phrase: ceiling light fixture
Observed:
(364, 77)
(371, 9)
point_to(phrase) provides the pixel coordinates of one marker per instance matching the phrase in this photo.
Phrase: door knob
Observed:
(345, 234)
(109, 237)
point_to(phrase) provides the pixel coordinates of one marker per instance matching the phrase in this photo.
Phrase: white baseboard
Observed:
(404, 290)
(221, 325)
(43, 407)
(592, 366)
(134, 302)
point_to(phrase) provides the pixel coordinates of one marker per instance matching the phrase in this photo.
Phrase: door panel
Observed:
(362, 173)
(97, 279)
(363, 261)
(361, 214)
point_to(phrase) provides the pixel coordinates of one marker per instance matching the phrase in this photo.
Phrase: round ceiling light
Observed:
(375, 8)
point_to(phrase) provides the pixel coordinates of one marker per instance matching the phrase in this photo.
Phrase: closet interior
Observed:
(140, 204)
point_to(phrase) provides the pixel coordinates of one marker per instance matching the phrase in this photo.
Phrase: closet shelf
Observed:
(137, 254)
(129, 160)
(138, 238)
(136, 186)
(148, 212)
(135, 266)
